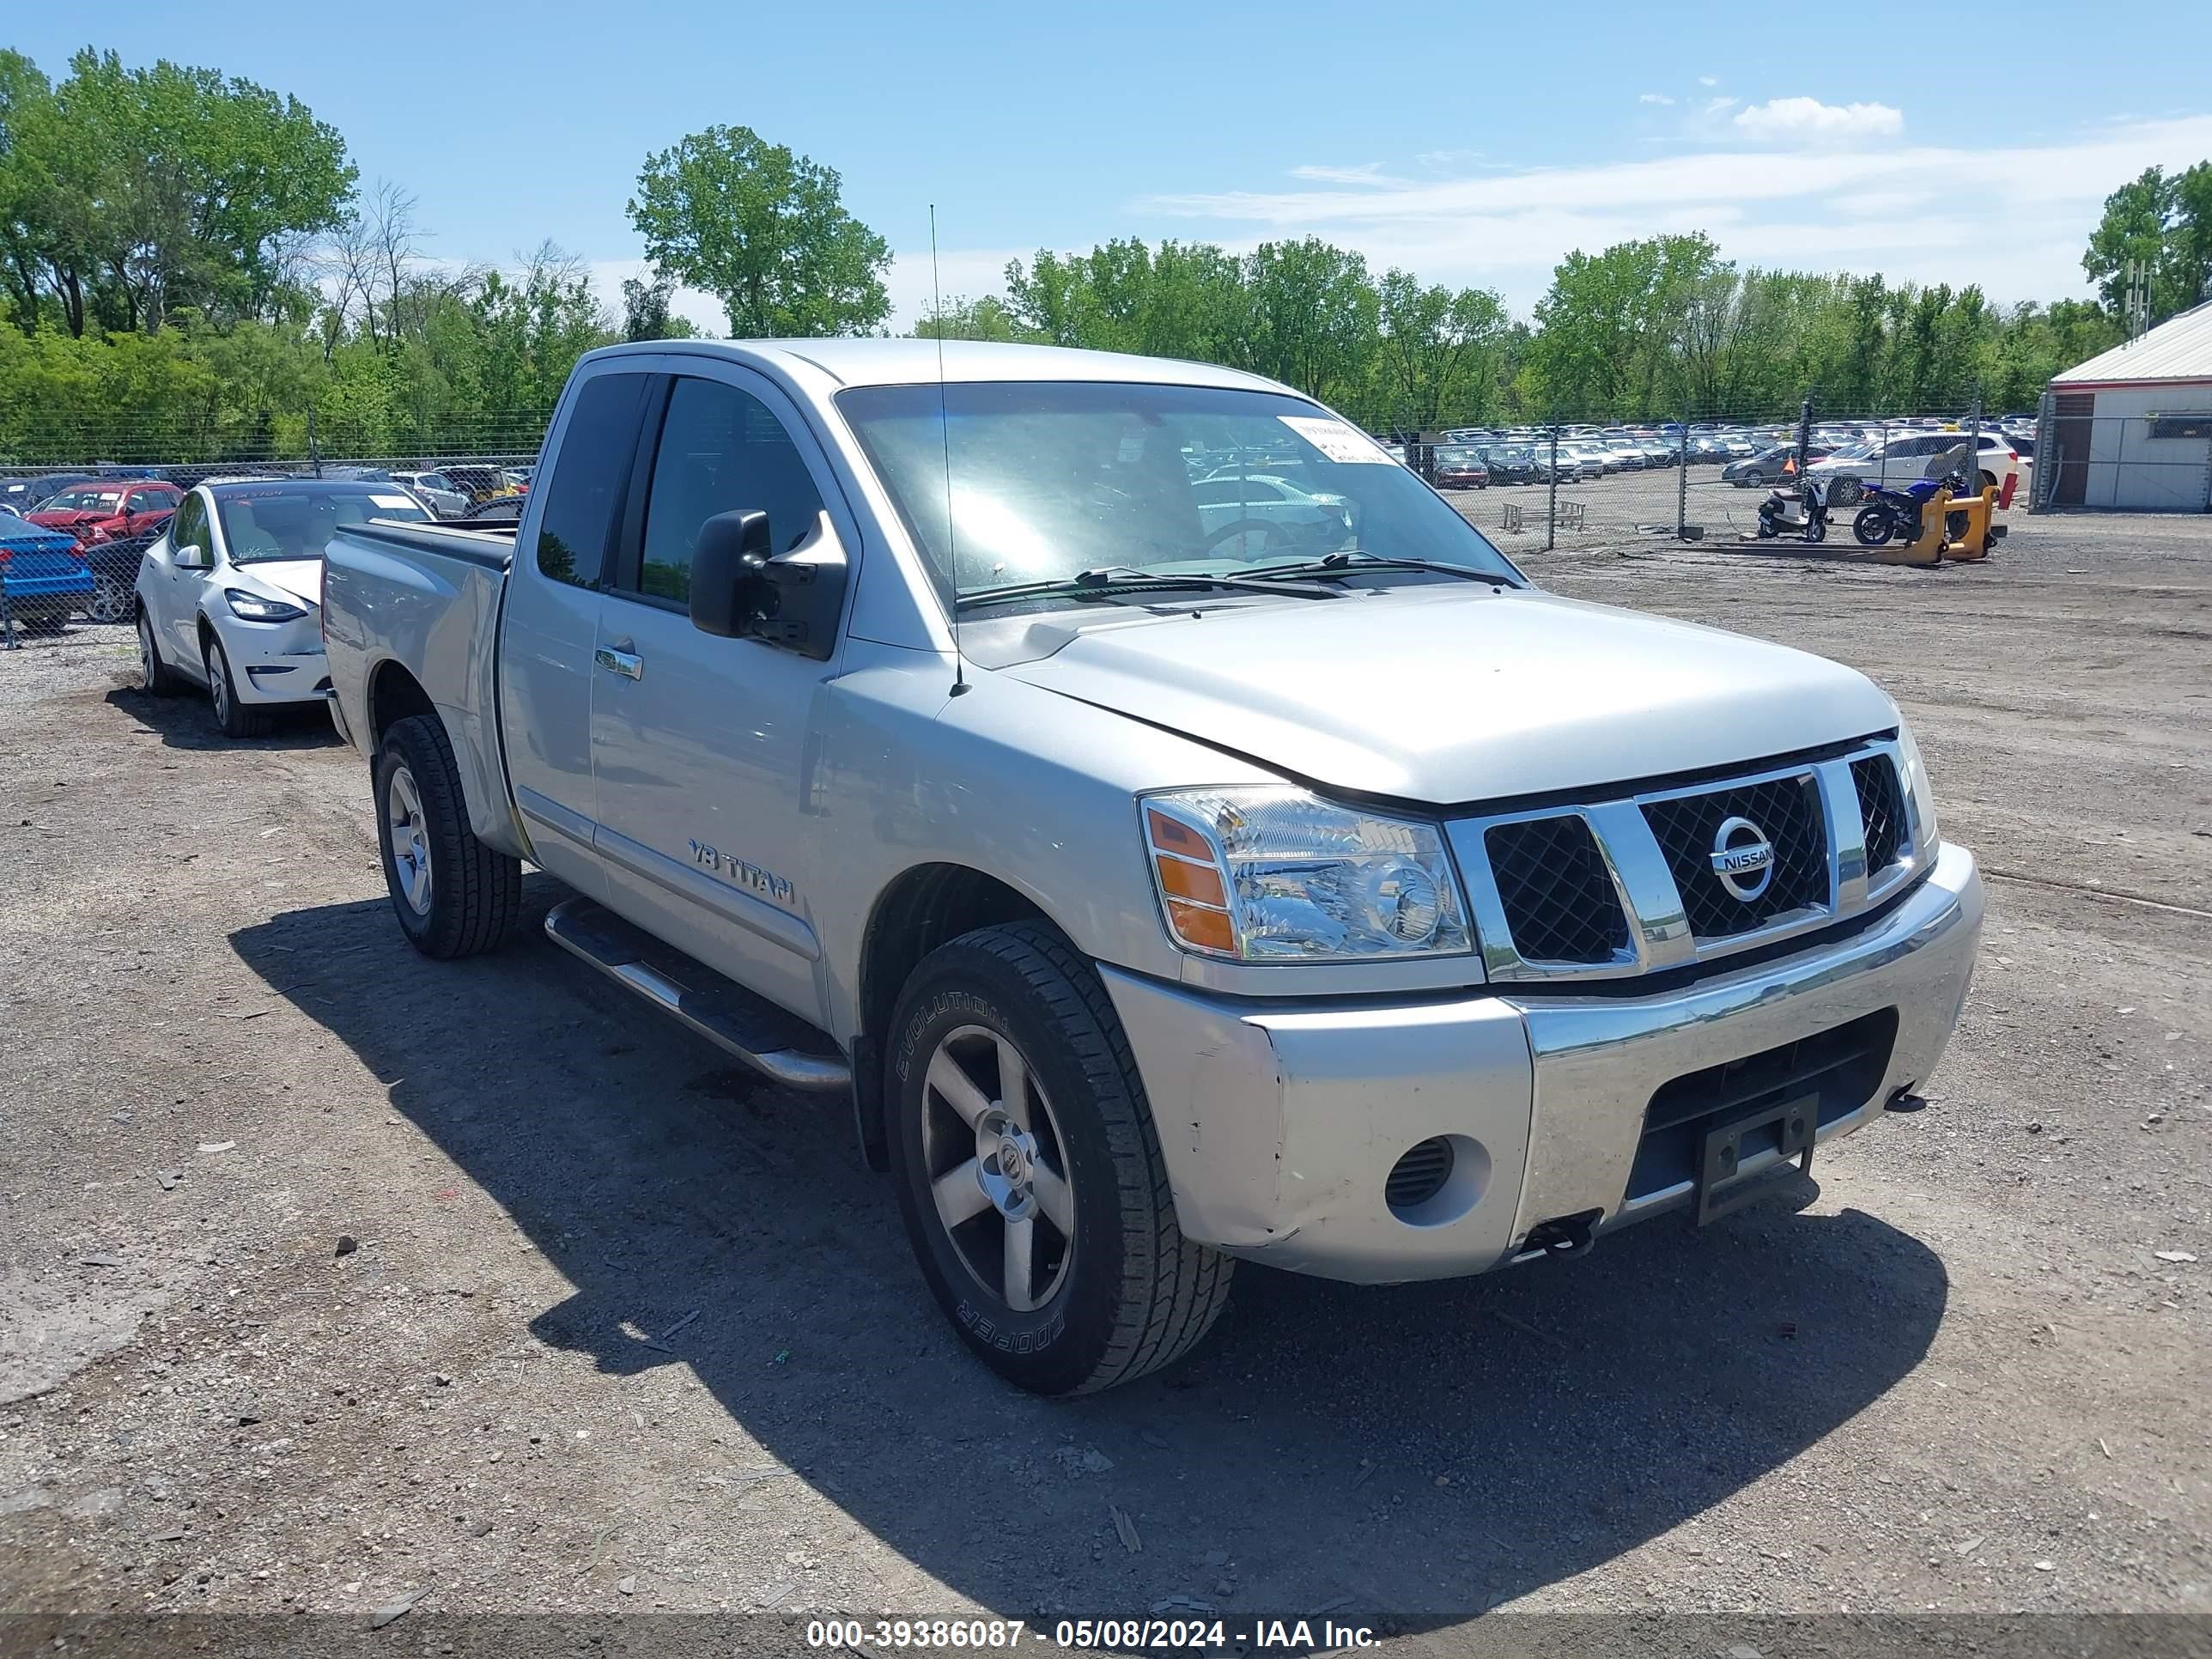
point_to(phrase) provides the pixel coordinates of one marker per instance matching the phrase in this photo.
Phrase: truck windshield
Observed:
(1038, 481)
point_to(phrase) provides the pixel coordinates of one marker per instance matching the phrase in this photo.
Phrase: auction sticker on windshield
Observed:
(393, 501)
(1335, 439)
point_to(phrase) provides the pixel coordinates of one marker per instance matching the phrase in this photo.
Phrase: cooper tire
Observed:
(461, 898)
(237, 720)
(1119, 1293)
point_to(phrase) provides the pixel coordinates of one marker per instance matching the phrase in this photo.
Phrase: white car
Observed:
(1259, 513)
(230, 596)
(1907, 456)
(446, 500)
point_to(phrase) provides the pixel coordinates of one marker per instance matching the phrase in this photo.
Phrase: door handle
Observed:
(628, 663)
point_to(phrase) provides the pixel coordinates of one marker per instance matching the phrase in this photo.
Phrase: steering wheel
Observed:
(1273, 538)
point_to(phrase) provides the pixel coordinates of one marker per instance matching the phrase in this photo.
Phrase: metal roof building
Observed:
(2132, 427)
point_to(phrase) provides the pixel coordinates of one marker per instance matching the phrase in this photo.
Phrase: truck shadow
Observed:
(187, 721)
(1419, 1453)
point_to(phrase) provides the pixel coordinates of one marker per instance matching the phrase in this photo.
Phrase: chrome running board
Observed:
(778, 1045)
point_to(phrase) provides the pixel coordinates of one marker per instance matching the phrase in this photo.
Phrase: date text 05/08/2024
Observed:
(1292, 1636)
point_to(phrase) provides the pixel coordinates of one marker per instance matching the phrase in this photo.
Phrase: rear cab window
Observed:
(581, 501)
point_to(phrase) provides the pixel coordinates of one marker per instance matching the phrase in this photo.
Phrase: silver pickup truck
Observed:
(1177, 832)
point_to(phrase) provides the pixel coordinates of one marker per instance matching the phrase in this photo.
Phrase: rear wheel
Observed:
(1029, 1175)
(454, 896)
(112, 599)
(1873, 526)
(236, 718)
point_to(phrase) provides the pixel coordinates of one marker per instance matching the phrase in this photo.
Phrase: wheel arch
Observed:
(394, 695)
(919, 909)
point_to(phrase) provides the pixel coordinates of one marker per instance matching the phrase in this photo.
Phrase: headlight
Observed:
(1273, 874)
(1925, 837)
(251, 607)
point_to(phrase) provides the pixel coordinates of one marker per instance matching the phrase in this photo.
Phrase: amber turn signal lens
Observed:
(1171, 836)
(1207, 929)
(1198, 882)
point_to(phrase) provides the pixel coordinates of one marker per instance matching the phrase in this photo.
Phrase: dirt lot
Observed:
(624, 1330)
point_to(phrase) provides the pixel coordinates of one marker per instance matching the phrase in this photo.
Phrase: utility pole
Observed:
(1682, 482)
(1551, 506)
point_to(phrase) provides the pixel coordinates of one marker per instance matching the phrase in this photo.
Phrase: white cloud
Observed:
(1808, 120)
(1653, 98)
(1720, 106)
(1708, 80)
(1369, 173)
(1894, 210)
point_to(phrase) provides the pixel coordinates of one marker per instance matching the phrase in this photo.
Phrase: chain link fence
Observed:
(1703, 475)
(2127, 449)
(1697, 475)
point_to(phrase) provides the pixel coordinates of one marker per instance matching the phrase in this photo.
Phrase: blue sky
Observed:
(1471, 145)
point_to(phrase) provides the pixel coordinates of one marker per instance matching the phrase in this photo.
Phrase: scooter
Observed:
(1801, 512)
(1894, 515)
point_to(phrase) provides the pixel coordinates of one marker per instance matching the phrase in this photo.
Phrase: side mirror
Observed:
(192, 556)
(792, 599)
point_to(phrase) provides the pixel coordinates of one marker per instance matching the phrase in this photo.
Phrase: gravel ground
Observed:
(331, 1277)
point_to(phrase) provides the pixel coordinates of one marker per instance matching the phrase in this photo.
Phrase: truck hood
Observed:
(1456, 694)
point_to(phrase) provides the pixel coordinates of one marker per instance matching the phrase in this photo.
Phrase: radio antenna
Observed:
(945, 431)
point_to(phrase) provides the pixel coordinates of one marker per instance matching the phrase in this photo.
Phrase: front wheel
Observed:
(1873, 526)
(237, 719)
(454, 896)
(1029, 1175)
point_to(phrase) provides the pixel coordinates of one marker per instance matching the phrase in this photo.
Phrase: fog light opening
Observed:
(1436, 1181)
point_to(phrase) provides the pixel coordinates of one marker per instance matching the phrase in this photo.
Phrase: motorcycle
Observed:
(1801, 511)
(1894, 515)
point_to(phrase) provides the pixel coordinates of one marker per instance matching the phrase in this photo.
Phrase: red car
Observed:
(111, 509)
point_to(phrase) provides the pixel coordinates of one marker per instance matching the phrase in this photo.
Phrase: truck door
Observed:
(698, 742)
(549, 623)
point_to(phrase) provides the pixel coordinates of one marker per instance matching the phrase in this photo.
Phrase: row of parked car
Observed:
(73, 541)
(1750, 456)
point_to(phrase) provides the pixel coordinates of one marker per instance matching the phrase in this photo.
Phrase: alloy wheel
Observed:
(149, 663)
(111, 601)
(410, 840)
(998, 1167)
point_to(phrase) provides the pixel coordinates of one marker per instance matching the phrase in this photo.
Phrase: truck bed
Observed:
(420, 603)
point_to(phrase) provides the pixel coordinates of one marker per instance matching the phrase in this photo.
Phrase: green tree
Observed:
(765, 232)
(1313, 317)
(986, 318)
(1439, 350)
(2163, 222)
(645, 310)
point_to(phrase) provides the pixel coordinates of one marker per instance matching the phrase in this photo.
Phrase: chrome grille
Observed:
(1560, 905)
(1840, 825)
(1882, 810)
(1785, 810)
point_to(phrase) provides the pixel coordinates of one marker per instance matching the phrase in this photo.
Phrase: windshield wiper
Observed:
(1347, 560)
(1127, 579)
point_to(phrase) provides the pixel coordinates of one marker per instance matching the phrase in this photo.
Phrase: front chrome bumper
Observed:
(1280, 1122)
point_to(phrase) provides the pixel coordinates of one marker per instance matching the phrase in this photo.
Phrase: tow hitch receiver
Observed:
(1721, 1186)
